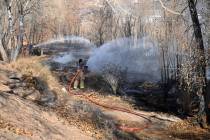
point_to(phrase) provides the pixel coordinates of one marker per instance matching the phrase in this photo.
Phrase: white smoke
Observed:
(64, 58)
(140, 59)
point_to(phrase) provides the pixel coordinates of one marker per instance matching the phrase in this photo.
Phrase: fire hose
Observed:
(123, 128)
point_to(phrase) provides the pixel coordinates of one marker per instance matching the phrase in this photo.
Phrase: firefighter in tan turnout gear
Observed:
(80, 78)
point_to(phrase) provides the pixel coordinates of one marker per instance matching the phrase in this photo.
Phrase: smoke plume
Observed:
(64, 58)
(140, 60)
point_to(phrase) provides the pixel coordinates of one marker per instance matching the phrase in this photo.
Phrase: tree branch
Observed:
(169, 10)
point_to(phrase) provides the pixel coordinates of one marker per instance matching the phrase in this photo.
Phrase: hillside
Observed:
(33, 105)
(22, 118)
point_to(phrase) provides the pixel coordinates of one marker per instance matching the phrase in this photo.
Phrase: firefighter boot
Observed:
(76, 82)
(82, 84)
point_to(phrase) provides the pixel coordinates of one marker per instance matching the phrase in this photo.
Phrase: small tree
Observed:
(114, 76)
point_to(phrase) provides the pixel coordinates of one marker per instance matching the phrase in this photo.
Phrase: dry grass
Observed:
(32, 66)
(184, 130)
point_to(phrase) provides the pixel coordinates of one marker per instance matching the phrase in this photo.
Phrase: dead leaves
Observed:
(14, 129)
(84, 125)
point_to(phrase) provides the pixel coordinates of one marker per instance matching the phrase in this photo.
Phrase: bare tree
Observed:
(104, 24)
(200, 63)
(192, 72)
(13, 33)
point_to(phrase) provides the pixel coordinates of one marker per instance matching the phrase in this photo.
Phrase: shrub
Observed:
(114, 76)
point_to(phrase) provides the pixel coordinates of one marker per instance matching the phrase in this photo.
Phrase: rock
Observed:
(64, 90)
(31, 94)
(48, 99)
(3, 100)
(16, 76)
(35, 96)
(3, 78)
(13, 81)
(40, 85)
(17, 85)
(4, 88)
(19, 91)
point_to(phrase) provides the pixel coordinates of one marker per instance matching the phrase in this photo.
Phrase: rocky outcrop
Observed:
(28, 87)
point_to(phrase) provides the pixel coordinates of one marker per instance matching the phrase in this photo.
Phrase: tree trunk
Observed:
(208, 35)
(3, 52)
(10, 17)
(20, 37)
(200, 62)
(4, 45)
(208, 20)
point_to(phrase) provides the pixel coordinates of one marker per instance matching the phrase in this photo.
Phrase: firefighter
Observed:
(79, 80)
(30, 49)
